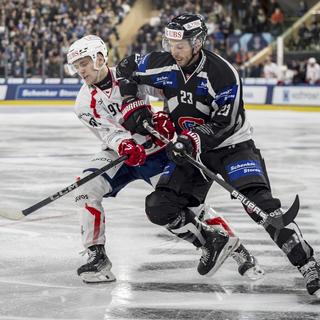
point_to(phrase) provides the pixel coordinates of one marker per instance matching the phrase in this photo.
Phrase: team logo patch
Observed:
(244, 168)
(188, 123)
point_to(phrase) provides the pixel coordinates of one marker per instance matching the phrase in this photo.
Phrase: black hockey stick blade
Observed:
(291, 214)
(285, 218)
(17, 215)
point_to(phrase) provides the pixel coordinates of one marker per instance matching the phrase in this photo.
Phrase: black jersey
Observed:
(212, 94)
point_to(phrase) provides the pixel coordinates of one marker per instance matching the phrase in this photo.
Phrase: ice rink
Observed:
(42, 150)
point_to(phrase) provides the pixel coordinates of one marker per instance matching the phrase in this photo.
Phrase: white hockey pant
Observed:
(89, 198)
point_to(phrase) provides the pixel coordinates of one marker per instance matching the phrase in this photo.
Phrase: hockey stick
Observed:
(17, 215)
(276, 220)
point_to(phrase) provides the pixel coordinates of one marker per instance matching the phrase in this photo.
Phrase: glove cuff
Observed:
(131, 105)
(195, 138)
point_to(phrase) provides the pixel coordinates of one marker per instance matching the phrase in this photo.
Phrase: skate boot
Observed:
(98, 266)
(247, 263)
(215, 251)
(311, 274)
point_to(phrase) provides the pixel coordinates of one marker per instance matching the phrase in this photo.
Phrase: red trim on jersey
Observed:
(93, 103)
(97, 220)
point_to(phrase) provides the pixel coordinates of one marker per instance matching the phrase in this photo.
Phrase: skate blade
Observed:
(233, 242)
(317, 293)
(255, 273)
(98, 277)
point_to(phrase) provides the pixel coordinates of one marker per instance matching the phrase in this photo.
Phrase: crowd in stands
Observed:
(307, 37)
(261, 22)
(38, 33)
(295, 71)
(35, 34)
(224, 18)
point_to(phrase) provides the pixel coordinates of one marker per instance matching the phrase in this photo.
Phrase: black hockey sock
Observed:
(186, 226)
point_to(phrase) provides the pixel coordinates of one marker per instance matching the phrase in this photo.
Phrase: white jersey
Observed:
(100, 112)
(313, 73)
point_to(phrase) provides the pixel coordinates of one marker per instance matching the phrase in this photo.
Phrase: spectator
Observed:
(302, 8)
(285, 75)
(261, 21)
(299, 71)
(277, 19)
(312, 71)
(270, 69)
(272, 6)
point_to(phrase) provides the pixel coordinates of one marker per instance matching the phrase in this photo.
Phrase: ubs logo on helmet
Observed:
(173, 34)
(188, 123)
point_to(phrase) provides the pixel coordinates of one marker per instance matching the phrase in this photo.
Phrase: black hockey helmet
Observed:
(185, 26)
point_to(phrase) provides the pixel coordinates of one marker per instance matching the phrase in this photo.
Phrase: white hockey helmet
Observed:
(88, 46)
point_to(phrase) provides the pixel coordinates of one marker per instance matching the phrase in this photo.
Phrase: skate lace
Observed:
(92, 254)
(240, 257)
(309, 271)
(205, 256)
(83, 252)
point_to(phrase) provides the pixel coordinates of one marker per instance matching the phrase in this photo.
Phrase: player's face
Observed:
(85, 70)
(181, 51)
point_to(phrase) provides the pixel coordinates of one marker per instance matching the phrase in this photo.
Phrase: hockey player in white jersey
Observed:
(98, 107)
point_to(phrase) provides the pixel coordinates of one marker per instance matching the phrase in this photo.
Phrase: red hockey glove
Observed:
(135, 111)
(163, 124)
(187, 143)
(136, 152)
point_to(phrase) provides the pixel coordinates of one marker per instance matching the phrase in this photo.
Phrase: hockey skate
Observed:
(98, 266)
(247, 264)
(311, 274)
(215, 251)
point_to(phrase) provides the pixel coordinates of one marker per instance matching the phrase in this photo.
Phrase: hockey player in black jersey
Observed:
(203, 95)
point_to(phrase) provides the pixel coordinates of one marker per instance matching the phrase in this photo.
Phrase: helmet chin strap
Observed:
(99, 72)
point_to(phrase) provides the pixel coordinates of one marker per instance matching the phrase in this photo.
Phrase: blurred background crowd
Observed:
(35, 34)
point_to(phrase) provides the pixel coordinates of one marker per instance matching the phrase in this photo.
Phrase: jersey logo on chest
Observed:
(188, 123)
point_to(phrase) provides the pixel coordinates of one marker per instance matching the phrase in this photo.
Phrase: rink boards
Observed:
(156, 105)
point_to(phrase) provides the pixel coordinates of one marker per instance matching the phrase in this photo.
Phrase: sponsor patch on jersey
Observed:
(188, 123)
(244, 168)
(168, 169)
(202, 89)
(168, 79)
(143, 63)
(226, 96)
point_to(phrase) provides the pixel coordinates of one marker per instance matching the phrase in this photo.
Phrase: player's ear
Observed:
(197, 45)
(100, 60)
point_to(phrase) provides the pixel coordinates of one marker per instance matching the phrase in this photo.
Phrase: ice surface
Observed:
(43, 149)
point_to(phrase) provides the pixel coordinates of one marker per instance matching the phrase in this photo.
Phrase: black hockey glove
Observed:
(187, 143)
(135, 111)
(127, 66)
(128, 87)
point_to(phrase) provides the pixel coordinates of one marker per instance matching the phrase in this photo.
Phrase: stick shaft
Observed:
(72, 186)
